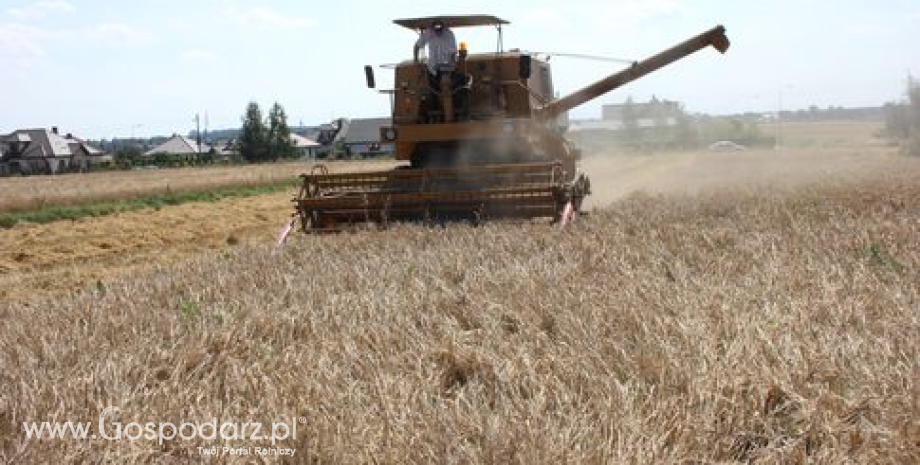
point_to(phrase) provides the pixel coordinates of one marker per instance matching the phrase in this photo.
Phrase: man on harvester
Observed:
(443, 75)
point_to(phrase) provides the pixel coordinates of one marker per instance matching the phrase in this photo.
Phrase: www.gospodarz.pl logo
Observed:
(164, 431)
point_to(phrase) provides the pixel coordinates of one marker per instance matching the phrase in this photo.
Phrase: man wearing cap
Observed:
(442, 47)
(442, 59)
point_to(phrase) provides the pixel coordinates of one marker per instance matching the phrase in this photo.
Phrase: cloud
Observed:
(42, 9)
(118, 33)
(606, 14)
(199, 56)
(266, 17)
(636, 11)
(863, 28)
(544, 15)
(21, 45)
(25, 45)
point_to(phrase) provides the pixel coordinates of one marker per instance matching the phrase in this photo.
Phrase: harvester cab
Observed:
(477, 110)
(479, 137)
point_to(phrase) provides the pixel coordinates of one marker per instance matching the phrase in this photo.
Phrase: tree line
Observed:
(259, 140)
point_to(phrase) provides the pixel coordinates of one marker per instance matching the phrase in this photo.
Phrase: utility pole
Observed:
(198, 132)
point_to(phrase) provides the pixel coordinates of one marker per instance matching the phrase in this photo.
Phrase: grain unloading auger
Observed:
(482, 141)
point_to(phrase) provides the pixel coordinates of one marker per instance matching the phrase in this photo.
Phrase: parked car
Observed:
(726, 146)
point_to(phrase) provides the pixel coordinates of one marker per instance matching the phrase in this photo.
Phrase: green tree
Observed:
(127, 155)
(902, 120)
(254, 137)
(279, 134)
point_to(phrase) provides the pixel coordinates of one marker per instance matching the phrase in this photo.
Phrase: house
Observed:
(44, 151)
(361, 136)
(654, 109)
(324, 135)
(349, 137)
(225, 150)
(180, 147)
(305, 147)
(646, 117)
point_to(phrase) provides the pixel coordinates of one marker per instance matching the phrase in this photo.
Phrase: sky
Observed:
(106, 69)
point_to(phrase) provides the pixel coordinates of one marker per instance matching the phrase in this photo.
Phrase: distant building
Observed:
(653, 109)
(346, 137)
(618, 125)
(305, 147)
(44, 151)
(361, 136)
(651, 115)
(349, 137)
(224, 150)
(179, 146)
(324, 135)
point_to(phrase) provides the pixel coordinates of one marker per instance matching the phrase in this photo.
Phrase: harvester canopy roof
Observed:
(451, 21)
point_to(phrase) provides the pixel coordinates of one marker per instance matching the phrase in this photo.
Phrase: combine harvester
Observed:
(489, 145)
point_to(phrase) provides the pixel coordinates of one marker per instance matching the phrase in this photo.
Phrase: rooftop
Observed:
(451, 21)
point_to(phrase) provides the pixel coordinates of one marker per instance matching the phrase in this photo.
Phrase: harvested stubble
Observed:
(727, 327)
(30, 193)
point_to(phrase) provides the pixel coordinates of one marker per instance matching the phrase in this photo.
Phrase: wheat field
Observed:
(730, 325)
